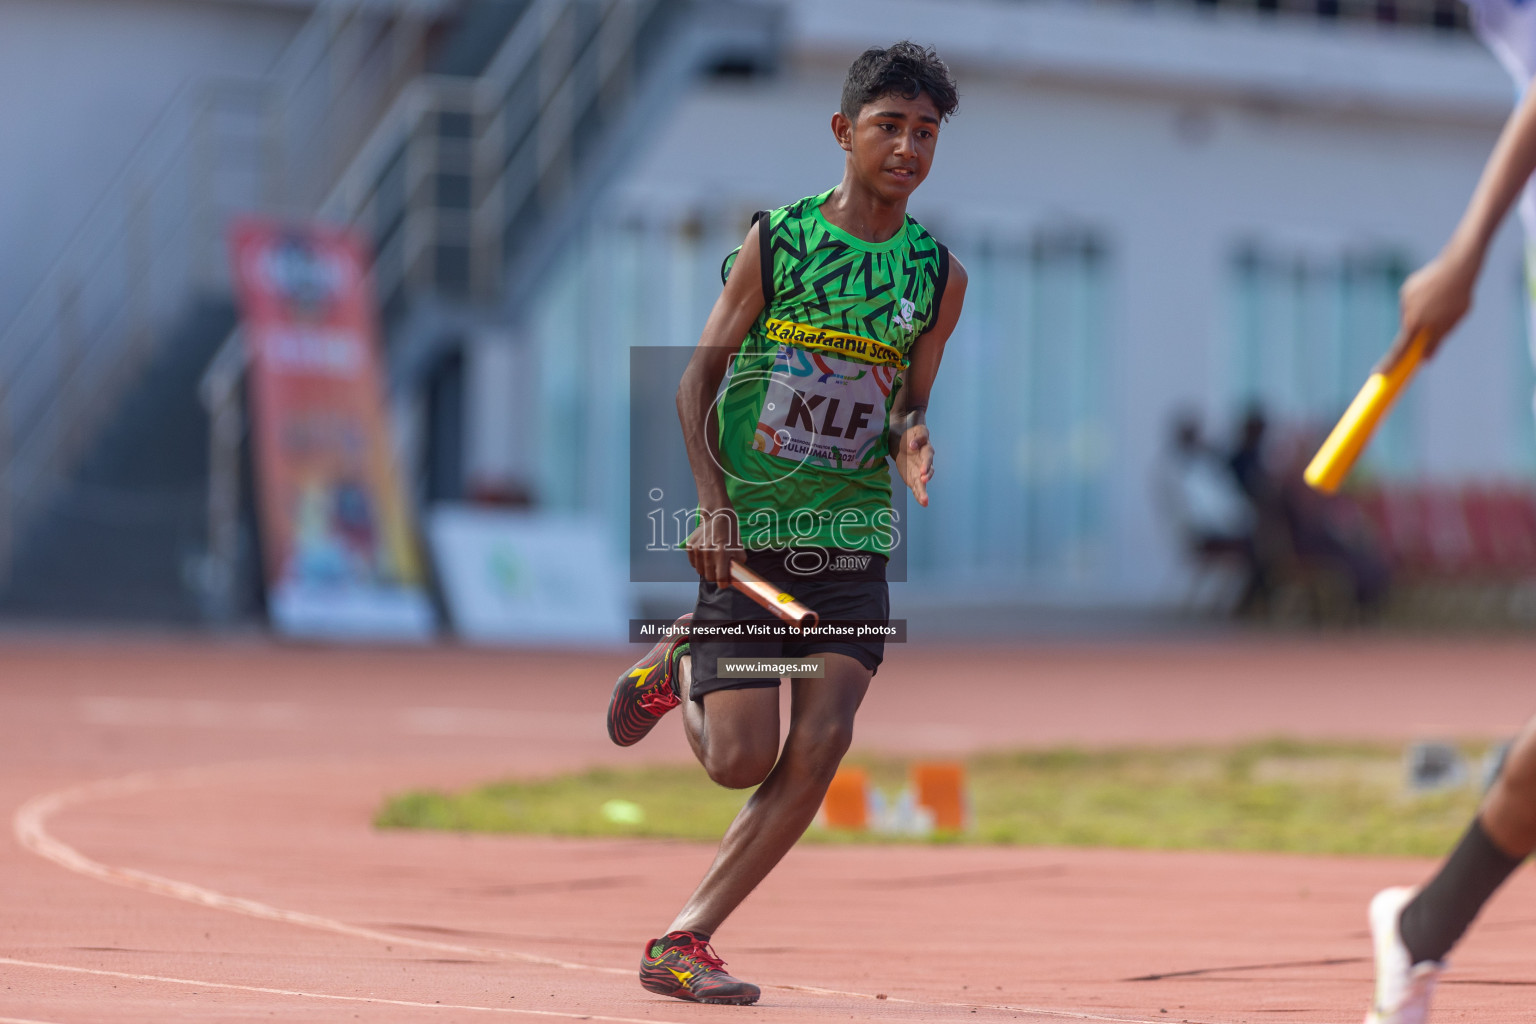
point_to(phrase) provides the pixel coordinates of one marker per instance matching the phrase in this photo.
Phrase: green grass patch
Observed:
(1272, 795)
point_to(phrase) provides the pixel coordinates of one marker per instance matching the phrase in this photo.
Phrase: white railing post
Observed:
(202, 168)
(139, 255)
(71, 343)
(220, 389)
(7, 504)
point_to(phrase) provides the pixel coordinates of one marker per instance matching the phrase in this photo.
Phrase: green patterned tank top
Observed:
(805, 406)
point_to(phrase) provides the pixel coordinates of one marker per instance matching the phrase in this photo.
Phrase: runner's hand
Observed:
(711, 546)
(914, 461)
(1433, 300)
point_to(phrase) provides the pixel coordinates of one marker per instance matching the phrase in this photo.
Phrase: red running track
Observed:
(191, 841)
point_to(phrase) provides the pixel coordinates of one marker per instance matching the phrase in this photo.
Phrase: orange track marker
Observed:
(847, 801)
(940, 787)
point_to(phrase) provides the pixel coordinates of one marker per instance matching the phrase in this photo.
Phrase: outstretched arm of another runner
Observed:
(1438, 295)
(738, 307)
(911, 446)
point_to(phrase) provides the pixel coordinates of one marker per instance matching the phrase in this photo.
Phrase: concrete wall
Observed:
(81, 82)
(1175, 137)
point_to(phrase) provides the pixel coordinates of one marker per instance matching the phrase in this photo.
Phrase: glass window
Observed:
(1018, 413)
(1019, 420)
(1307, 330)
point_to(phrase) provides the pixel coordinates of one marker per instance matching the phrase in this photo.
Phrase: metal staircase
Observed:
(467, 164)
(470, 184)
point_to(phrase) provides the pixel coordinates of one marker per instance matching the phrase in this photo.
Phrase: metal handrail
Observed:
(407, 128)
(63, 369)
(408, 131)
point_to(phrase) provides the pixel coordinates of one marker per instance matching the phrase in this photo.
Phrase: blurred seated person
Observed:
(1247, 458)
(1213, 515)
(1325, 531)
(1251, 469)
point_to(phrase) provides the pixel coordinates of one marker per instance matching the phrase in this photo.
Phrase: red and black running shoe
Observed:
(648, 690)
(682, 965)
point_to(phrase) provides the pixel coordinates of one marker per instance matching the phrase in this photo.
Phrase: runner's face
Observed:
(890, 146)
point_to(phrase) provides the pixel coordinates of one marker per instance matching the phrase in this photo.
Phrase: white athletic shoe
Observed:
(1403, 989)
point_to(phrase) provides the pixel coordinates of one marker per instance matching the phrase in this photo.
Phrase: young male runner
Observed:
(830, 327)
(1414, 929)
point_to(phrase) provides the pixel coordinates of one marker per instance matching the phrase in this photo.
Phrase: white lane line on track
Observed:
(296, 993)
(153, 712)
(174, 713)
(22, 1020)
(30, 824)
(30, 827)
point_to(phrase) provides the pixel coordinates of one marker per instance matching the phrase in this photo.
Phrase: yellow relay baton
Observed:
(1337, 456)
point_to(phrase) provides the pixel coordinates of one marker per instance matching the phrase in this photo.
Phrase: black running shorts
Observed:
(835, 584)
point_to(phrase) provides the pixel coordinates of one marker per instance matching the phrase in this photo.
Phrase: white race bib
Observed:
(824, 409)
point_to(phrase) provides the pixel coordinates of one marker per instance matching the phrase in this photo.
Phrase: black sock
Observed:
(674, 939)
(1435, 919)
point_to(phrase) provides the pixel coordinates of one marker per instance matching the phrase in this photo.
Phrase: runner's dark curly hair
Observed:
(903, 69)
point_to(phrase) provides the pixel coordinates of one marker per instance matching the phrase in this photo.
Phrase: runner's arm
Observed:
(1438, 295)
(738, 307)
(910, 445)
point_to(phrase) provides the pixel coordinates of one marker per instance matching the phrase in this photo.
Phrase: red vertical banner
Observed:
(340, 553)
